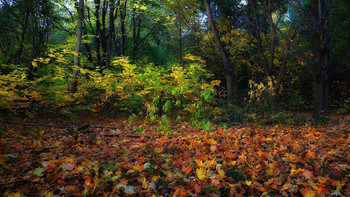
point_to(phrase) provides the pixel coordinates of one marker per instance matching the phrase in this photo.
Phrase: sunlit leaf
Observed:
(201, 173)
(34, 64)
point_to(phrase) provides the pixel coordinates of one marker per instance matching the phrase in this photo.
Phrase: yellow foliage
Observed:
(194, 58)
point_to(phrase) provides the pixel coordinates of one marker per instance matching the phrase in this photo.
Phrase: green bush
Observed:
(145, 90)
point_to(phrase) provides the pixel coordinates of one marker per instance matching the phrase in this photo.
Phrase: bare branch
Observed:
(346, 58)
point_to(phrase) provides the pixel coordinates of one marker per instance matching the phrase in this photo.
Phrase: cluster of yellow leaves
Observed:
(141, 7)
(53, 56)
(194, 58)
(258, 89)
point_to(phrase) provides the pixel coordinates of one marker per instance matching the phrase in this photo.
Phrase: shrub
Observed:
(146, 90)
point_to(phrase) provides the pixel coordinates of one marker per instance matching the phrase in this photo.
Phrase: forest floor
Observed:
(270, 160)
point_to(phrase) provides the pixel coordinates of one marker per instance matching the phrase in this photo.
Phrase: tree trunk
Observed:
(18, 54)
(180, 36)
(97, 32)
(103, 34)
(321, 75)
(224, 54)
(317, 98)
(74, 83)
(111, 36)
(122, 28)
(87, 48)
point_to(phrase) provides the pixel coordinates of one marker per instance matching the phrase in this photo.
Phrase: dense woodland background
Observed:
(173, 58)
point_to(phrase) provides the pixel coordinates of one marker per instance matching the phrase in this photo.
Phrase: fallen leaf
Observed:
(39, 172)
(213, 148)
(87, 182)
(309, 193)
(197, 188)
(188, 169)
(307, 174)
(138, 167)
(17, 194)
(221, 173)
(201, 173)
(69, 167)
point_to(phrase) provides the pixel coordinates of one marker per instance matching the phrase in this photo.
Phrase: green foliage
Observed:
(164, 126)
(344, 107)
(139, 130)
(203, 124)
(144, 90)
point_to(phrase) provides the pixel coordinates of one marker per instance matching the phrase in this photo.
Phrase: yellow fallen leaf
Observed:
(309, 193)
(138, 167)
(201, 173)
(15, 195)
(200, 163)
(211, 163)
(221, 173)
(248, 182)
(159, 150)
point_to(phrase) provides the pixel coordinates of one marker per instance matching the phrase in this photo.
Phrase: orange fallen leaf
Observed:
(188, 169)
(62, 182)
(87, 182)
(197, 188)
(310, 154)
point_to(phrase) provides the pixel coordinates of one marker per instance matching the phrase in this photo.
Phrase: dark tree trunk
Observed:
(88, 49)
(111, 36)
(122, 28)
(180, 38)
(224, 54)
(97, 33)
(18, 53)
(136, 23)
(103, 34)
(74, 83)
(320, 70)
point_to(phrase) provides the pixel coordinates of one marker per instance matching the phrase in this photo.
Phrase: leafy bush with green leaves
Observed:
(146, 90)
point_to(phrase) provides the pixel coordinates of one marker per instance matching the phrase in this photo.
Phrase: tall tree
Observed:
(279, 34)
(223, 52)
(316, 16)
(74, 83)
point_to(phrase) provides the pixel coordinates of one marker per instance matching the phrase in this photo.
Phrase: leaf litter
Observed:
(254, 160)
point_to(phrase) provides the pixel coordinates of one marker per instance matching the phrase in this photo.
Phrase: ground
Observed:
(249, 160)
